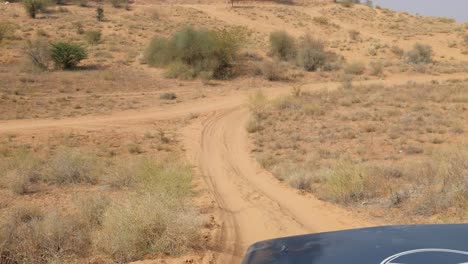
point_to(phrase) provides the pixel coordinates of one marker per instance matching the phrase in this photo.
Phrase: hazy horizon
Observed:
(456, 9)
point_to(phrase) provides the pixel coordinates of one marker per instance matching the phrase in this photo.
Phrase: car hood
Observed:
(415, 244)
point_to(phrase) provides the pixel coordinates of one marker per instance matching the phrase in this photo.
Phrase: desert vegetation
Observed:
(377, 146)
(101, 101)
(307, 52)
(190, 53)
(145, 212)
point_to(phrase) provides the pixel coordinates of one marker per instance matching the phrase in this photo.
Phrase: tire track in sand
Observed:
(253, 204)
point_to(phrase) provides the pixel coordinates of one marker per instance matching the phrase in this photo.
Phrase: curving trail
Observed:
(254, 206)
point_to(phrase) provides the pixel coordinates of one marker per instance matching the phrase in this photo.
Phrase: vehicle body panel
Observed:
(424, 244)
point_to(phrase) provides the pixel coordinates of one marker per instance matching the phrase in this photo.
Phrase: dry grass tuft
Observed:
(30, 236)
(70, 166)
(148, 224)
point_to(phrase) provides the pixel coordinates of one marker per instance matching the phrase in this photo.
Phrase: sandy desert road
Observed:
(252, 205)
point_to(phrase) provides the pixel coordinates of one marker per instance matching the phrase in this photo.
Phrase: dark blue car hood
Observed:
(419, 244)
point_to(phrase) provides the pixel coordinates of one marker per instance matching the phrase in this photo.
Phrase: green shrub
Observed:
(190, 52)
(93, 37)
(37, 51)
(311, 55)
(282, 45)
(67, 55)
(420, 54)
(356, 68)
(32, 7)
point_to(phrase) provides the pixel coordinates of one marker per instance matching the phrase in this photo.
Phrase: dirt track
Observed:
(252, 204)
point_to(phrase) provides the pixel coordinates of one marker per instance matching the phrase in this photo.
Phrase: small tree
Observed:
(67, 55)
(100, 14)
(32, 7)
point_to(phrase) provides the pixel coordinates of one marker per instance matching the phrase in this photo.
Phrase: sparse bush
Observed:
(28, 235)
(6, 30)
(122, 175)
(119, 3)
(311, 55)
(282, 45)
(148, 224)
(69, 166)
(67, 55)
(168, 96)
(20, 182)
(41, 33)
(79, 28)
(354, 35)
(181, 71)
(22, 173)
(92, 208)
(355, 68)
(349, 3)
(38, 53)
(191, 52)
(321, 20)
(296, 176)
(93, 37)
(157, 220)
(420, 54)
(156, 54)
(258, 104)
(273, 71)
(32, 7)
(376, 68)
(444, 181)
(171, 177)
(254, 125)
(347, 183)
(397, 51)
